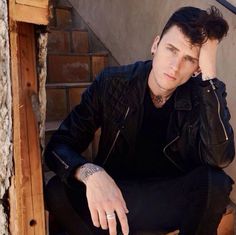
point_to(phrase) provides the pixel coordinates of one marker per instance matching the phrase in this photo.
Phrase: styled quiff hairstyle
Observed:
(198, 25)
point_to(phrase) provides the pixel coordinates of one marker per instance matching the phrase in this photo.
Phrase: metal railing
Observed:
(230, 5)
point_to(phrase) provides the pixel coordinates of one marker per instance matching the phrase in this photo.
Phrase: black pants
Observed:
(193, 203)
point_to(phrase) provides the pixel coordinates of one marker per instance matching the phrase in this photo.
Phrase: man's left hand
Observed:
(207, 59)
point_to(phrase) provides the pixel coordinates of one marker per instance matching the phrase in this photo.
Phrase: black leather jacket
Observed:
(199, 131)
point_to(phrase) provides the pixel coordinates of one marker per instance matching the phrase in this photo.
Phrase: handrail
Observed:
(228, 5)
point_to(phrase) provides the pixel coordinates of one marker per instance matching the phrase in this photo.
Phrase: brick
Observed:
(58, 41)
(63, 17)
(75, 96)
(68, 68)
(56, 104)
(99, 62)
(80, 42)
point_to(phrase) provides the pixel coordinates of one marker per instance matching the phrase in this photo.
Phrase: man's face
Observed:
(175, 59)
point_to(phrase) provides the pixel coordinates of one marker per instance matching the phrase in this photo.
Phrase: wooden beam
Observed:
(30, 11)
(35, 3)
(28, 217)
(15, 199)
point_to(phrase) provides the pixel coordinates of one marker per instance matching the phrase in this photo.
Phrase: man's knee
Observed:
(215, 182)
(220, 184)
(216, 178)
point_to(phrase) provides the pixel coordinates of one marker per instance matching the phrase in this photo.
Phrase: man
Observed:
(165, 137)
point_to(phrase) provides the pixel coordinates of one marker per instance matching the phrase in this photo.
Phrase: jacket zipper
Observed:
(56, 155)
(116, 137)
(218, 108)
(168, 157)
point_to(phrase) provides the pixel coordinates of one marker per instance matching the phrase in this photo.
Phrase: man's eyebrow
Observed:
(169, 44)
(188, 56)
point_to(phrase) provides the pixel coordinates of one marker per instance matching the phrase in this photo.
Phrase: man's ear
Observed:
(155, 44)
(197, 72)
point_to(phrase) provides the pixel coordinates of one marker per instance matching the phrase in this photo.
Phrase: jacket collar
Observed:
(183, 97)
(139, 78)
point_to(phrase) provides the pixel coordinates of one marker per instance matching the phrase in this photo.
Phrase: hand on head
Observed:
(207, 59)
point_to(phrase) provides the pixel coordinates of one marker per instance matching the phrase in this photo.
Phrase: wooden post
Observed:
(27, 217)
(27, 214)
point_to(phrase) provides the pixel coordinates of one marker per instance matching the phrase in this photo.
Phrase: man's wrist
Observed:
(86, 170)
(206, 77)
(208, 74)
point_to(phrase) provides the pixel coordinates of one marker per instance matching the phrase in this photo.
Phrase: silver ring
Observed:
(111, 215)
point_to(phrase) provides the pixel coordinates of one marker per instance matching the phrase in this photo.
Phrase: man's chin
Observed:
(168, 86)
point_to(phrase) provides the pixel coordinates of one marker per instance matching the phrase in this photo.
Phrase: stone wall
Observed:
(5, 118)
(42, 74)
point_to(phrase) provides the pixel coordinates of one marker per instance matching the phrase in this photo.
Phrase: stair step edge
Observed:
(52, 125)
(79, 54)
(68, 85)
(69, 30)
(69, 8)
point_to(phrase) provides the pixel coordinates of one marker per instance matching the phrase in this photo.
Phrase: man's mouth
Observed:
(169, 76)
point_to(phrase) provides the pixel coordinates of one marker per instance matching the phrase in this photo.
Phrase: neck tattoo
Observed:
(158, 100)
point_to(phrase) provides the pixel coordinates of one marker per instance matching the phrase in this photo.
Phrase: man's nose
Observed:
(176, 63)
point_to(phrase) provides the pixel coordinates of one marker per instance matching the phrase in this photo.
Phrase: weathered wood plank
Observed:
(35, 3)
(27, 158)
(15, 198)
(29, 87)
(29, 13)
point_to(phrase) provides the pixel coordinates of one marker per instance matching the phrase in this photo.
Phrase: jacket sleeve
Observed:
(63, 152)
(216, 145)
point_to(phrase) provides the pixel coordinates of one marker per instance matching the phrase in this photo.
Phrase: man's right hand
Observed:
(105, 200)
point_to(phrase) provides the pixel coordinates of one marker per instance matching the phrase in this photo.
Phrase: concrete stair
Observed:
(72, 66)
(75, 58)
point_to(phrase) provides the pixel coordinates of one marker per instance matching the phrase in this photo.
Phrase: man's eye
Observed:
(190, 60)
(171, 49)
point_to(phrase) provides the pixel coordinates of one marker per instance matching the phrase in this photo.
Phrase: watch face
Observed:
(229, 4)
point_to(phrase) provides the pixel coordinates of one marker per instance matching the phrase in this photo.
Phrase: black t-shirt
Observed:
(149, 160)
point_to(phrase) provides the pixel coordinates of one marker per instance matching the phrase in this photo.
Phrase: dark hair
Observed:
(198, 25)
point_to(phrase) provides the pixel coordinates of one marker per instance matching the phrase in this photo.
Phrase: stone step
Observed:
(67, 85)
(75, 67)
(61, 17)
(61, 99)
(69, 68)
(99, 62)
(56, 104)
(100, 53)
(59, 41)
(68, 41)
(52, 126)
(79, 41)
